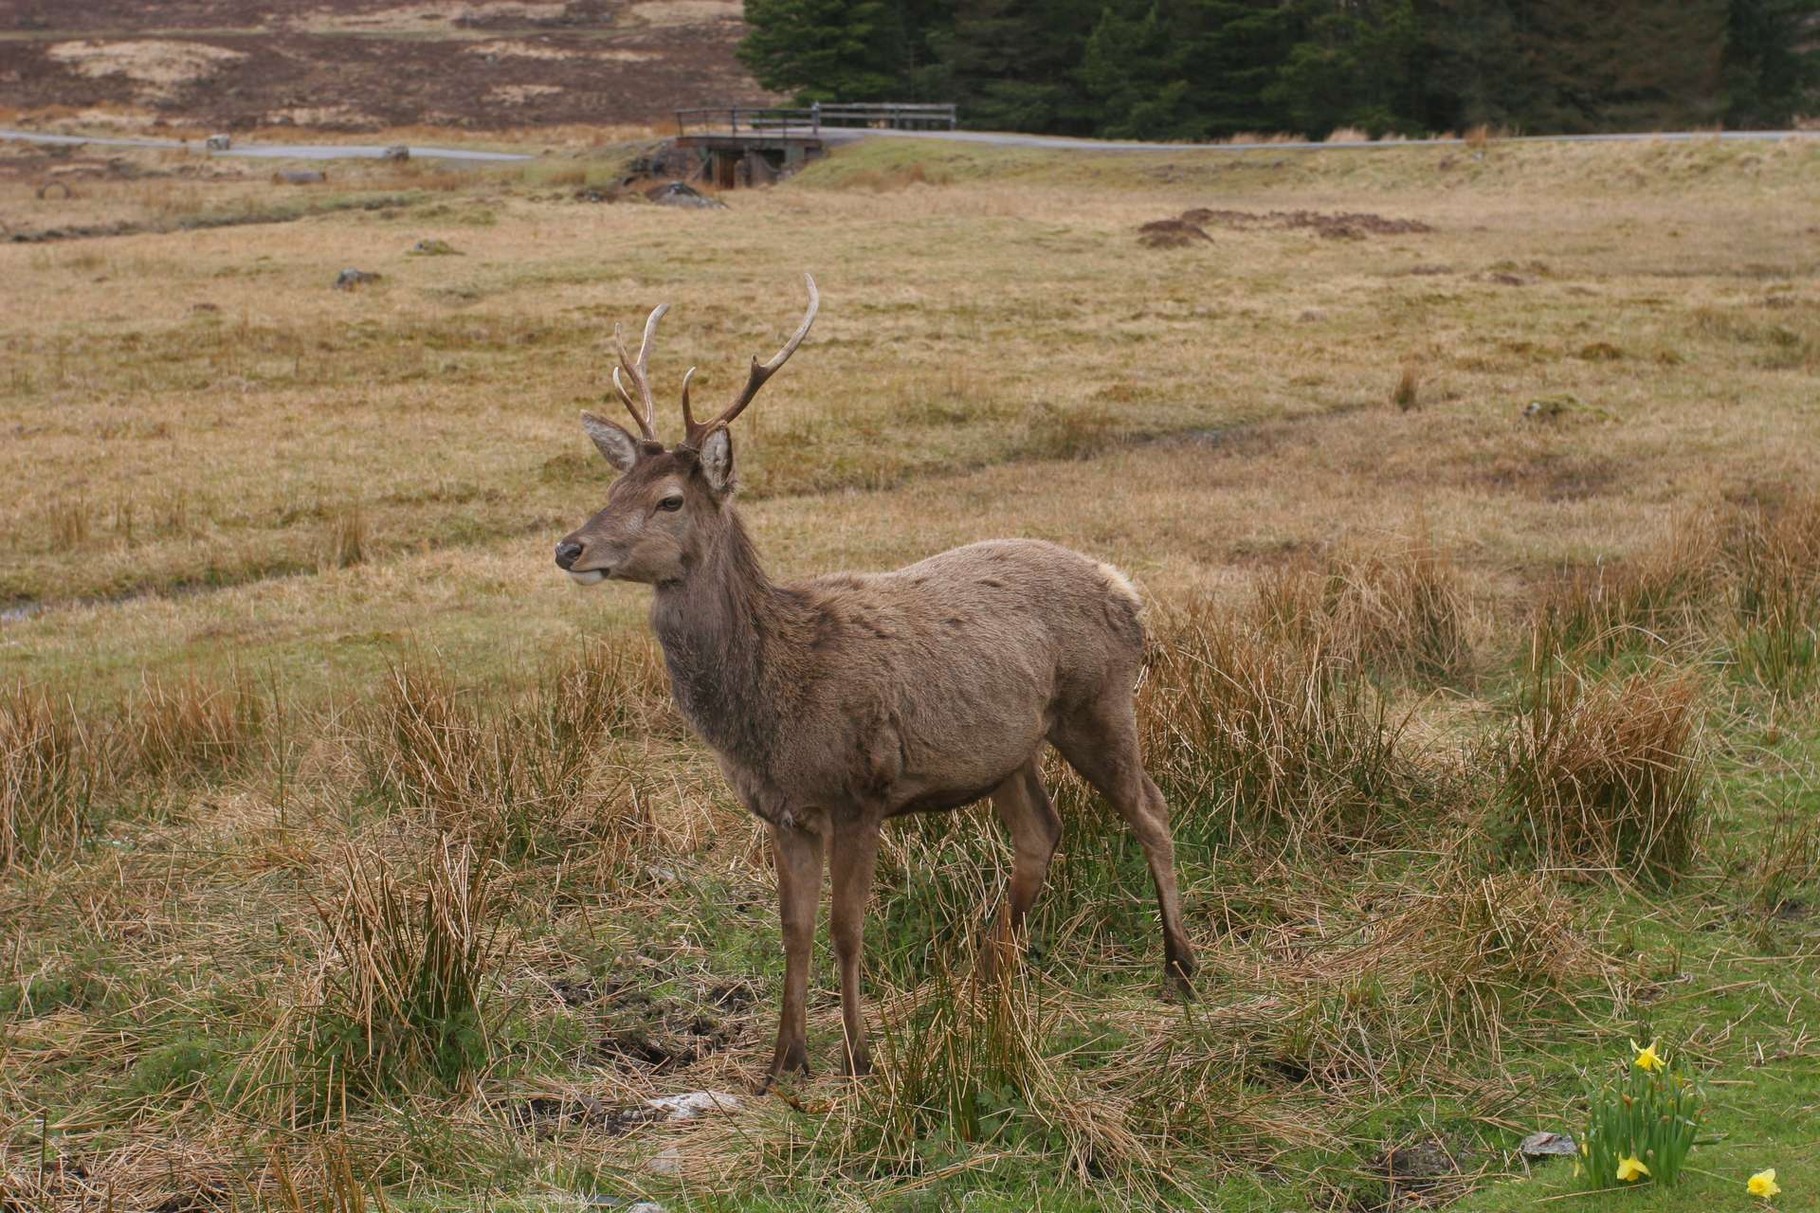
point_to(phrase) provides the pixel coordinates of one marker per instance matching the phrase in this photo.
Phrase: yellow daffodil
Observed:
(1647, 1057)
(1764, 1184)
(1631, 1169)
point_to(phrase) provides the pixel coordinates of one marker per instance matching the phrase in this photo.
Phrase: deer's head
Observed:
(665, 503)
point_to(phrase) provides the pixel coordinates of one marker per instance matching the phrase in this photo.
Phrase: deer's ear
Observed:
(717, 459)
(619, 447)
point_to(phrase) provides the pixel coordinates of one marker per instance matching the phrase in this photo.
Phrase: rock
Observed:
(1547, 1145)
(645, 1206)
(300, 176)
(677, 193)
(693, 1104)
(667, 1161)
(218, 142)
(398, 152)
(433, 248)
(350, 279)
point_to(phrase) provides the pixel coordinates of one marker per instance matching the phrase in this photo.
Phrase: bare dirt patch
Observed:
(1172, 233)
(1331, 225)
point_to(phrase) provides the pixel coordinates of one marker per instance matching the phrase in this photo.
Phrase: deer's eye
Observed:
(670, 503)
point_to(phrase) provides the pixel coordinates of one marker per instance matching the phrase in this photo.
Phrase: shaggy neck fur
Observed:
(723, 628)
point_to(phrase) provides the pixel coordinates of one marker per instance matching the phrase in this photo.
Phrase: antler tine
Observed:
(639, 373)
(761, 371)
(688, 417)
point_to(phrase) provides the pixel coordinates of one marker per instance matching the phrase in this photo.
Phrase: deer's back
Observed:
(933, 682)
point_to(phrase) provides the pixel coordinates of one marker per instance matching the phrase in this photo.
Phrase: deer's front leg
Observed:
(855, 855)
(799, 885)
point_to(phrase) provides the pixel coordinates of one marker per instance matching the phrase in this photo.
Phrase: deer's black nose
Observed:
(567, 553)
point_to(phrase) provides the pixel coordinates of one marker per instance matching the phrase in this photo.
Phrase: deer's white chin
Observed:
(589, 576)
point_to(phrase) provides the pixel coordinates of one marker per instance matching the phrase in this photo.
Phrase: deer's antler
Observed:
(638, 373)
(755, 378)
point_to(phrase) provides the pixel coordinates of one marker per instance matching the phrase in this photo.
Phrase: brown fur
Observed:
(836, 703)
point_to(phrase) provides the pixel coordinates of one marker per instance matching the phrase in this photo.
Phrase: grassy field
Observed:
(351, 857)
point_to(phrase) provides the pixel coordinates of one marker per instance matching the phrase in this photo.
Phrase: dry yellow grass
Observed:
(963, 320)
(311, 529)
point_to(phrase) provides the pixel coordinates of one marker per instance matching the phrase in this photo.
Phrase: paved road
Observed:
(337, 151)
(995, 139)
(275, 151)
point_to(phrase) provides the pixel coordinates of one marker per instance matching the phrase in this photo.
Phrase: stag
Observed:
(836, 703)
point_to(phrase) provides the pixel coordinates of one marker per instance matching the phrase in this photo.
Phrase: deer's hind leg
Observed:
(852, 860)
(1101, 742)
(1036, 828)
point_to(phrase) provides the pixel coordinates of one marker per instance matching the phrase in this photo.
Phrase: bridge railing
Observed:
(783, 122)
(891, 115)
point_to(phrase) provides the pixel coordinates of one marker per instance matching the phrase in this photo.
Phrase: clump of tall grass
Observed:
(1775, 637)
(967, 1062)
(1069, 432)
(1401, 609)
(51, 766)
(404, 986)
(1606, 773)
(524, 775)
(189, 727)
(1406, 394)
(1659, 598)
(1788, 866)
(1492, 949)
(346, 540)
(1259, 725)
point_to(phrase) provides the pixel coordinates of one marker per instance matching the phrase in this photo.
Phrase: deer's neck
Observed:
(726, 633)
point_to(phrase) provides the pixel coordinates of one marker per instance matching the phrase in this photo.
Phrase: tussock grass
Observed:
(50, 771)
(404, 985)
(346, 541)
(1262, 726)
(1776, 633)
(1402, 609)
(1662, 597)
(527, 778)
(189, 727)
(1607, 773)
(1784, 873)
(966, 1059)
(1496, 952)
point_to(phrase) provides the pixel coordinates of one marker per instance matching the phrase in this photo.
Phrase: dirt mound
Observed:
(1171, 233)
(1335, 225)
